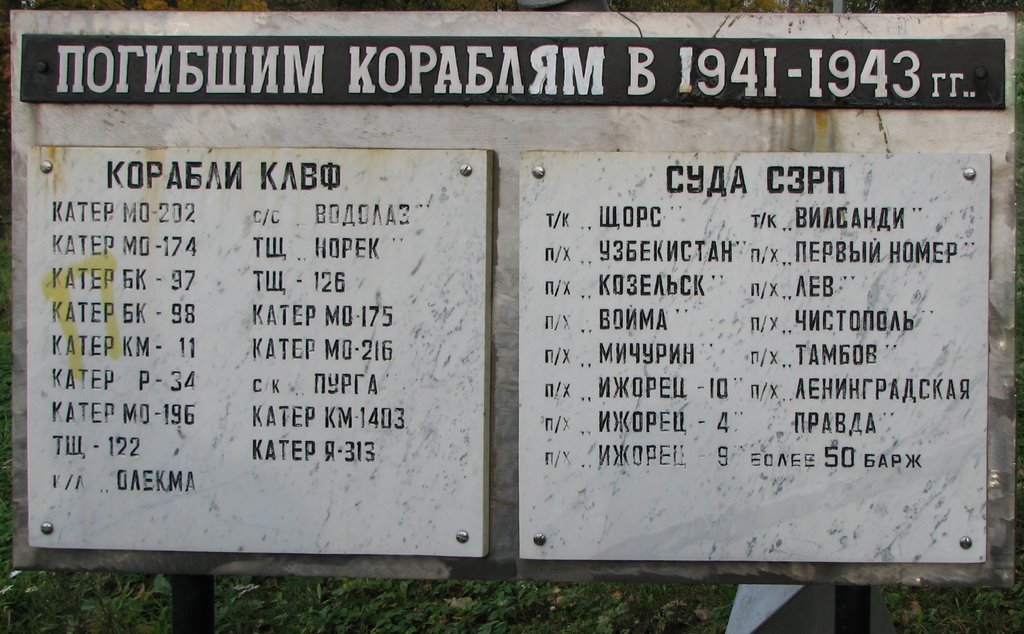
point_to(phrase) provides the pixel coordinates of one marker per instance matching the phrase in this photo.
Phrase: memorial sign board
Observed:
(475, 485)
(708, 331)
(267, 338)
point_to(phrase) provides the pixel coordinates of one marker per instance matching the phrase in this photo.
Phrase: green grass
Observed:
(92, 602)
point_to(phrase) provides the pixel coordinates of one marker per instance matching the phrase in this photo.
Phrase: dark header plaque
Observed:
(734, 72)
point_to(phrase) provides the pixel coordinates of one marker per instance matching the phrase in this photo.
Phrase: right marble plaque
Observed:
(753, 357)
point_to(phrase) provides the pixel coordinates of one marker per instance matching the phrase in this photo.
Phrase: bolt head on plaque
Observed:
(41, 67)
(46, 528)
(970, 173)
(46, 167)
(540, 539)
(462, 537)
(966, 543)
(466, 169)
(995, 480)
(537, 171)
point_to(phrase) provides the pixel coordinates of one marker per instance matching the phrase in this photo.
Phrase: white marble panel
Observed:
(258, 350)
(753, 356)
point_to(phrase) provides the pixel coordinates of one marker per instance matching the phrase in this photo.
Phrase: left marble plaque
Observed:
(258, 350)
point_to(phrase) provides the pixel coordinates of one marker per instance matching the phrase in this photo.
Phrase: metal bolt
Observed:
(970, 173)
(41, 67)
(981, 72)
(966, 543)
(466, 169)
(46, 528)
(538, 172)
(46, 167)
(462, 536)
(995, 479)
(540, 538)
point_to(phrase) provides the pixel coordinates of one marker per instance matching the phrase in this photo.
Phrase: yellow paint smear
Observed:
(56, 289)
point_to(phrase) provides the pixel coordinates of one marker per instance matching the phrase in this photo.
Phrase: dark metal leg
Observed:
(853, 609)
(192, 604)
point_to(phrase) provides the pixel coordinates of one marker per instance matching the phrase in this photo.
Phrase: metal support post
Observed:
(192, 604)
(853, 609)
